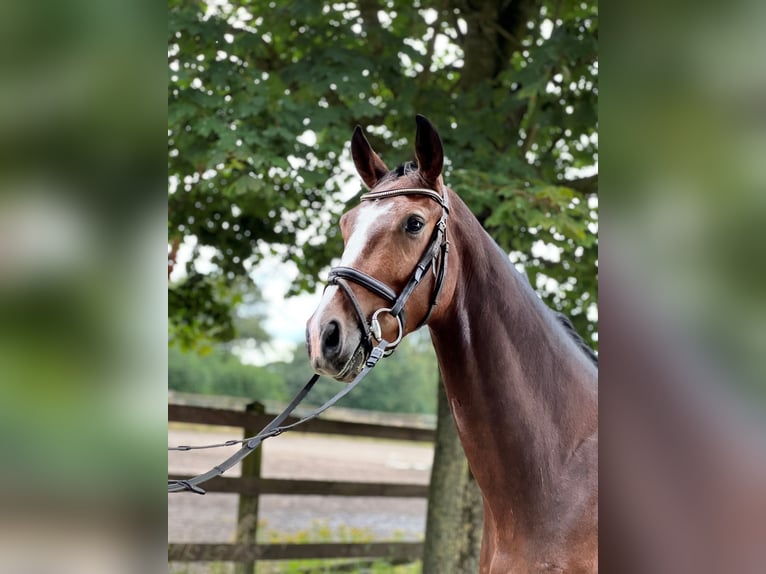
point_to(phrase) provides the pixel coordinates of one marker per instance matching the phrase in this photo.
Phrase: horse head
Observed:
(394, 260)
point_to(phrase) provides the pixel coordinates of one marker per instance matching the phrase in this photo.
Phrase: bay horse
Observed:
(522, 390)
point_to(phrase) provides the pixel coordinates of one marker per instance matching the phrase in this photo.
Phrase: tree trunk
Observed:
(455, 507)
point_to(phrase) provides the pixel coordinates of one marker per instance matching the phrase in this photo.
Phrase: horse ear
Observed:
(370, 167)
(428, 150)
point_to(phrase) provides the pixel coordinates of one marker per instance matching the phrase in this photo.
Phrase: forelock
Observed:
(406, 168)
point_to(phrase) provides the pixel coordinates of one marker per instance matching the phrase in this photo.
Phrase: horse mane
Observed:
(562, 319)
(569, 328)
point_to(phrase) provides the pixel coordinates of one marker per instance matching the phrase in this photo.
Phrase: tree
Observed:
(200, 362)
(455, 509)
(206, 310)
(263, 98)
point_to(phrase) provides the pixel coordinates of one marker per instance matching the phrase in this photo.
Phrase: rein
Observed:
(435, 255)
(272, 429)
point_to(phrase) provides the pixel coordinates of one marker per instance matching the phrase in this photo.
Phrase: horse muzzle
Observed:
(335, 351)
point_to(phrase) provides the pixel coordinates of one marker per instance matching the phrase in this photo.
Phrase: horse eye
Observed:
(414, 225)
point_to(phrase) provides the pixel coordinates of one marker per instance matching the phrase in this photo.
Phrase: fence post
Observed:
(247, 513)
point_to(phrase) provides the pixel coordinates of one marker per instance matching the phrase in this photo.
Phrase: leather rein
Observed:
(434, 256)
(437, 250)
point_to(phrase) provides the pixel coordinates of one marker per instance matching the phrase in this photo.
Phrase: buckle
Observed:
(374, 357)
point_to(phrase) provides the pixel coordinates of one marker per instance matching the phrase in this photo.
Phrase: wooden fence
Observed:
(250, 485)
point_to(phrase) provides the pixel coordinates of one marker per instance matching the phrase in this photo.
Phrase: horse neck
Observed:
(522, 394)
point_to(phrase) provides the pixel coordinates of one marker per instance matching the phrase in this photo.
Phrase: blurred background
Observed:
(82, 287)
(682, 384)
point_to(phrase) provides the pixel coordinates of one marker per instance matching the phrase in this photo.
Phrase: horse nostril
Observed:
(331, 339)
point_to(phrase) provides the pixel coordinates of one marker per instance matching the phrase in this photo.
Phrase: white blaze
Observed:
(364, 224)
(368, 215)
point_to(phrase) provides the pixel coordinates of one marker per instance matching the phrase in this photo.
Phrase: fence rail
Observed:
(242, 419)
(256, 486)
(251, 552)
(251, 485)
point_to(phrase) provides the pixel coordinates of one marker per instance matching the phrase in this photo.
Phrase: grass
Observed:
(303, 567)
(319, 531)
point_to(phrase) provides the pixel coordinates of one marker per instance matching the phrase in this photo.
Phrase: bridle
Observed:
(434, 256)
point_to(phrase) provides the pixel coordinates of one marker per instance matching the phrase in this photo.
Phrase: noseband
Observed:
(434, 256)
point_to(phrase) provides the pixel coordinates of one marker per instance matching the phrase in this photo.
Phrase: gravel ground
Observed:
(212, 517)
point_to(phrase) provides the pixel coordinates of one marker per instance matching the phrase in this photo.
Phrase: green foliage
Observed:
(199, 312)
(405, 382)
(263, 97)
(319, 531)
(221, 373)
